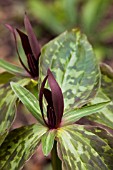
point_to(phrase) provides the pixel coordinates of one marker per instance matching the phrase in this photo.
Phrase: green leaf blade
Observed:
(19, 145)
(13, 69)
(48, 141)
(29, 100)
(76, 114)
(84, 147)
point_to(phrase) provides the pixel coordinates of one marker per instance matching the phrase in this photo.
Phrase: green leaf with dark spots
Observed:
(13, 69)
(71, 59)
(76, 114)
(19, 145)
(7, 107)
(85, 148)
(29, 100)
(7, 110)
(48, 141)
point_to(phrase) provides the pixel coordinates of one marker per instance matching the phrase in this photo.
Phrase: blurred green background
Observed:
(49, 18)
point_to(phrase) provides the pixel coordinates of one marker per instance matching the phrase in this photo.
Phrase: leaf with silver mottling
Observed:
(19, 145)
(85, 147)
(71, 59)
(7, 107)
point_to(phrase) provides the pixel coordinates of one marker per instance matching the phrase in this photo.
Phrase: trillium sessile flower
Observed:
(31, 48)
(55, 102)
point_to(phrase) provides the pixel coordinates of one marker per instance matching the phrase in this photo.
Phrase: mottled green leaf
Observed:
(72, 61)
(74, 115)
(85, 148)
(48, 141)
(29, 100)
(7, 107)
(105, 117)
(19, 146)
(13, 69)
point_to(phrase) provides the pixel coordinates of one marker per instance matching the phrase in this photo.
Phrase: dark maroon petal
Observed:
(32, 38)
(51, 117)
(32, 66)
(41, 98)
(50, 109)
(32, 62)
(57, 97)
(25, 42)
(48, 97)
(14, 34)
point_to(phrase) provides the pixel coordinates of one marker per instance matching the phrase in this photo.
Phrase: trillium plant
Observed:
(31, 48)
(70, 96)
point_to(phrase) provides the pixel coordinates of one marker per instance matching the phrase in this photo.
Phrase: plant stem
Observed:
(56, 162)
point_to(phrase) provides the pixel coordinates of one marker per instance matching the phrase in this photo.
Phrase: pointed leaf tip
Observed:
(32, 38)
(57, 97)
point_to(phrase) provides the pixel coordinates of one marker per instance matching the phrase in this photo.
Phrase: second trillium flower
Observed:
(55, 102)
(31, 48)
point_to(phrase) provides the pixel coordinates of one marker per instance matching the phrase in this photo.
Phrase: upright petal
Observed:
(57, 97)
(32, 62)
(32, 38)
(48, 96)
(25, 42)
(50, 109)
